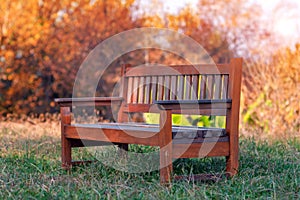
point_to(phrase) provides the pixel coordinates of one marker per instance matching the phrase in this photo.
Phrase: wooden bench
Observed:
(208, 89)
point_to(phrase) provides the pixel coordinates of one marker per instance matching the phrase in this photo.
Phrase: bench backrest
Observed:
(143, 84)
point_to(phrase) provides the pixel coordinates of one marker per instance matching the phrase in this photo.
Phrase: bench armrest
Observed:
(194, 104)
(89, 101)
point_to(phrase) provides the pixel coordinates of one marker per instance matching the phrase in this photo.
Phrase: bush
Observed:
(271, 93)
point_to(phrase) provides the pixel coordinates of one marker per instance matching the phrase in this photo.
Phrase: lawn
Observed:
(30, 169)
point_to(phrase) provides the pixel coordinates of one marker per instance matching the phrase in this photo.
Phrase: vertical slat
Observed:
(154, 88)
(217, 93)
(141, 90)
(188, 86)
(167, 87)
(203, 87)
(160, 88)
(210, 87)
(180, 87)
(135, 89)
(195, 85)
(173, 87)
(191, 86)
(225, 87)
(147, 89)
(130, 86)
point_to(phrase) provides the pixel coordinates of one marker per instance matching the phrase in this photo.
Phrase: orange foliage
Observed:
(271, 93)
(44, 42)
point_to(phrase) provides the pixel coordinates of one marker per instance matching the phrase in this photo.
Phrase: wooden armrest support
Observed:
(89, 101)
(194, 104)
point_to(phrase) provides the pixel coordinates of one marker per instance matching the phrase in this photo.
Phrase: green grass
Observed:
(30, 169)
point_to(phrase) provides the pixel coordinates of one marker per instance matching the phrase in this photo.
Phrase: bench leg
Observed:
(232, 161)
(65, 143)
(231, 166)
(166, 169)
(165, 138)
(66, 153)
(123, 146)
(232, 117)
(123, 149)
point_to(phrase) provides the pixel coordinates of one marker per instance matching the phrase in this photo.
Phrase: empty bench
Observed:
(206, 89)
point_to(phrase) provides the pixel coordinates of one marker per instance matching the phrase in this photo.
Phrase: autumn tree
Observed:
(44, 42)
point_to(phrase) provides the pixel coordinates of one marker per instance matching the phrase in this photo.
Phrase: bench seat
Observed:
(180, 134)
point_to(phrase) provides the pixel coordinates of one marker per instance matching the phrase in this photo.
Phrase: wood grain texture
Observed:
(200, 150)
(152, 70)
(89, 101)
(113, 135)
(233, 117)
(165, 144)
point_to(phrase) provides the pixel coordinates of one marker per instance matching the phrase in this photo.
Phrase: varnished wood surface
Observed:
(89, 101)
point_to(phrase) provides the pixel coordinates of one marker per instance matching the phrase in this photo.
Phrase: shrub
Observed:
(271, 93)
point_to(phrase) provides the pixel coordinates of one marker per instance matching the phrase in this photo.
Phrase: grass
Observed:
(30, 169)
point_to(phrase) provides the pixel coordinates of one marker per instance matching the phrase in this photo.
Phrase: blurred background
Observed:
(44, 42)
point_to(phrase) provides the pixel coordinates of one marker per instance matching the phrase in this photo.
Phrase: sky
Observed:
(286, 25)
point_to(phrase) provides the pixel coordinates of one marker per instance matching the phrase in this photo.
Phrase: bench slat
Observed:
(217, 92)
(173, 87)
(225, 87)
(167, 88)
(203, 87)
(130, 90)
(160, 88)
(209, 88)
(180, 87)
(187, 92)
(153, 88)
(141, 90)
(135, 92)
(147, 89)
(195, 87)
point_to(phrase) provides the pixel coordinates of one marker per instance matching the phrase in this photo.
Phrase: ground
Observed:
(30, 169)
